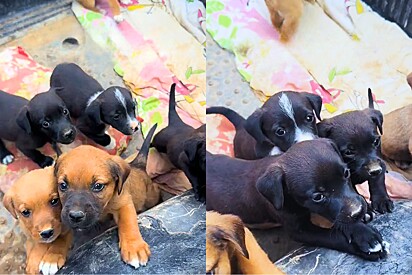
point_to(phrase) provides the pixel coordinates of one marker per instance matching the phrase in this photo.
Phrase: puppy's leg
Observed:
(115, 8)
(35, 252)
(89, 4)
(56, 148)
(101, 139)
(36, 156)
(379, 196)
(275, 17)
(358, 239)
(290, 22)
(5, 156)
(134, 250)
(56, 255)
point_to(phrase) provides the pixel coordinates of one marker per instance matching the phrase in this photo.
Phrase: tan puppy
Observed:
(93, 184)
(34, 201)
(114, 7)
(232, 249)
(285, 15)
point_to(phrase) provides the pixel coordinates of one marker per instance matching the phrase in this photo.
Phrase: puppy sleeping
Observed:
(355, 133)
(38, 211)
(91, 106)
(290, 187)
(93, 184)
(232, 249)
(284, 119)
(185, 147)
(31, 124)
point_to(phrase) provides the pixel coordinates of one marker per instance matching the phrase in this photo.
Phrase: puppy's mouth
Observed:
(49, 240)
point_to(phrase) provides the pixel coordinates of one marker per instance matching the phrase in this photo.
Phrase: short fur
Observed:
(48, 241)
(257, 136)
(232, 249)
(285, 16)
(92, 187)
(359, 144)
(185, 147)
(91, 106)
(32, 124)
(288, 189)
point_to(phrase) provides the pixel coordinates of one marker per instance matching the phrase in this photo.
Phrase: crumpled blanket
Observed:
(321, 58)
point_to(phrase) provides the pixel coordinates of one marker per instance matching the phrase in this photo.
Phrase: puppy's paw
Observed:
(32, 267)
(118, 18)
(48, 161)
(135, 253)
(7, 159)
(382, 205)
(368, 242)
(51, 263)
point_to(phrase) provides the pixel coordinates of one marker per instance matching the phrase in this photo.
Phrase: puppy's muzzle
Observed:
(374, 169)
(68, 136)
(76, 216)
(47, 234)
(134, 125)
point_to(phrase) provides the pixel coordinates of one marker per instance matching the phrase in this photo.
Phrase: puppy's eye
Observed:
(116, 117)
(318, 197)
(63, 186)
(377, 142)
(54, 202)
(346, 173)
(45, 124)
(65, 112)
(280, 131)
(26, 213)
(309, 118)
(97, 187)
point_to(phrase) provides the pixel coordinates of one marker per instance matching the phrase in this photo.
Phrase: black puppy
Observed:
(355, 133)
(185, 147)
(92, 106)
(311, 177)
(31, 124)
(284, 119)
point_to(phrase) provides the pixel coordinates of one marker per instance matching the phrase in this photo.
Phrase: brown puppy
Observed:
(34, 201)
(232, 249)
(93, 183)
(114, 7)
(285, 15)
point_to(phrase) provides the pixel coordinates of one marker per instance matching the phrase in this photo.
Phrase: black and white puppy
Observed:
(31, 124)
(357, 137)
(311, 177)
(284, 119)
(185, 147)
(91, 106)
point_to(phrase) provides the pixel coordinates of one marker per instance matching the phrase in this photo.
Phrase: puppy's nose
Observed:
(134, 125)
(376, 171)
(76, 216)
(68, 134)
(46, 234)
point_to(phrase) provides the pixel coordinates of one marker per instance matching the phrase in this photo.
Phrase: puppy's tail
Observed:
(370, 98)
(140, 160)
(173, 115)
(236, 119)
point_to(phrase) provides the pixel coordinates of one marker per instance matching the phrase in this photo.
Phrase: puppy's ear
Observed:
(324, 129)
(23, 120)
(233, 235)
(316, 102)
(93, 111)
(253, 126)
(8, 203)
(270, 185)
(377, 118)
(120, 170)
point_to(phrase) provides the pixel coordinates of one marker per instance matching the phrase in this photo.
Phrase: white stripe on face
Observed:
(286, 107)
(93, 98)
(131, 121)
(302, 136)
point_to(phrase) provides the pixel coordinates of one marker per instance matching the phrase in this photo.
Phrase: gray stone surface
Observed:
(395, 229)
(175, 231)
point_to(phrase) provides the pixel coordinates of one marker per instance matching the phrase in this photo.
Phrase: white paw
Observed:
(126, 2)
(48, 268)
(112, 143)
(376, 248)
(118, 18)
(386, 246)
(135, 263)
(7, 159)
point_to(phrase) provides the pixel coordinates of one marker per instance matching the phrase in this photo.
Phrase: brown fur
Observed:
(91, 5)
(133, 193)
(34, 191)
(231, 248)
(285, 16)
